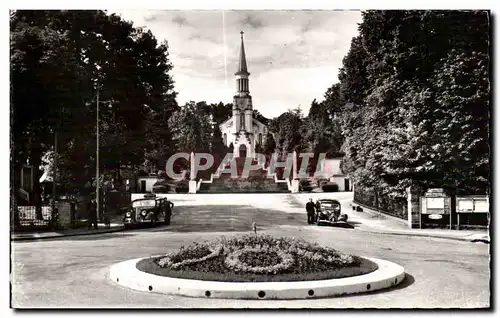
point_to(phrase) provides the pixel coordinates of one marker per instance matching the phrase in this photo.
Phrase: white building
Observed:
(242, 130)
(331, 168)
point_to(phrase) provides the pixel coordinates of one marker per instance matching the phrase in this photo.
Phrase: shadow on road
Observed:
(354, 223)
(408, 281)
(229, 218)
(93, 237)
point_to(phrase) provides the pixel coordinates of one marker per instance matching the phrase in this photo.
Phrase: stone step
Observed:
(242, 186)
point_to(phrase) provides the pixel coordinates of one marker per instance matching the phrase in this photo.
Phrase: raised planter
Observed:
(387, 275)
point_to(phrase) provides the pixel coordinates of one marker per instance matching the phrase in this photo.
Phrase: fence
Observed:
(28, 218)
(27, 215)
(394, 206)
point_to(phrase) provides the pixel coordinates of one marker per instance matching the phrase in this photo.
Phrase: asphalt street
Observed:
(72, 272)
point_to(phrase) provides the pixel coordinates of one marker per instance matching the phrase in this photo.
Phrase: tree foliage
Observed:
(60, 59)
(416, 91)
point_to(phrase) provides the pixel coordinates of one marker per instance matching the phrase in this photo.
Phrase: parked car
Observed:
(329, 211)
(147, 210)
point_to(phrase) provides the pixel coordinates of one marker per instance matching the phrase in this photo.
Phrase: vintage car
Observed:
(328, 211)
(147, 210)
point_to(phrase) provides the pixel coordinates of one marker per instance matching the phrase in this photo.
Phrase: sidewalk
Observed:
(115, 227)
(370, 221)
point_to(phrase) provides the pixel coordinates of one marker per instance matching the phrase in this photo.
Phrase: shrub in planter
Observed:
(54, 223)
(161, 187)
(305, 185)
(182, 187)
(322, 182)
(330, 187)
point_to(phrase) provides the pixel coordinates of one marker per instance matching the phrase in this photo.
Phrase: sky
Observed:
(293, 56)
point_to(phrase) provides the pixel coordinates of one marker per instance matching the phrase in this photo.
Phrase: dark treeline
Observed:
(411, 105)
(416, 92)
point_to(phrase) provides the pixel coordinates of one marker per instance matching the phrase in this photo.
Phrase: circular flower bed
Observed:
(257, 258)
(259, 261)
(196, 254)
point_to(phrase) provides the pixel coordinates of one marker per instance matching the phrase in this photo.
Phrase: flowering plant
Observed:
(257, 254)
(335, 258)
(248, 259)
(178, 259)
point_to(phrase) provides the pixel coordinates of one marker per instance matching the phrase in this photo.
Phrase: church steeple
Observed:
(242, 63)
(242, 72)
(242, 121)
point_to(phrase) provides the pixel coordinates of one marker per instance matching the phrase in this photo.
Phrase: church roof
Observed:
(254, 120)
(242, 63)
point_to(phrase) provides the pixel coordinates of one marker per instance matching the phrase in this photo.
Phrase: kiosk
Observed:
(435, 208)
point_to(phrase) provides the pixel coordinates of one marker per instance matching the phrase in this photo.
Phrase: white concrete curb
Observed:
(387, 275)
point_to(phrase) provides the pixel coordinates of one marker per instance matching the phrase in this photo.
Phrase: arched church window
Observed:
(260, 139)
(225, 139)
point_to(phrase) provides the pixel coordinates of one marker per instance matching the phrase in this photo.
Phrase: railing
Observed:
(393, 206)
(28, 217)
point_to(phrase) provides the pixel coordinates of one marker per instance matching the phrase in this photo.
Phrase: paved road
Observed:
(72, 272)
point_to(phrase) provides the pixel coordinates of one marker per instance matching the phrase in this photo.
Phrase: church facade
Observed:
(241, 129)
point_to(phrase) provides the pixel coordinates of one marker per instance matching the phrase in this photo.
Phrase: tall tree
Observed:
(269, 144)
(43, 69)
(62, 58)
(221, 112)
(422, 120)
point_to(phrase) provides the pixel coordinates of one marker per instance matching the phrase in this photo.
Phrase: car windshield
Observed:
(144, 203)
(328, 204)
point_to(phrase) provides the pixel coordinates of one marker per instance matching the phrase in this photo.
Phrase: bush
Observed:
(305, 185)
(305, 182)
(182, 187)
(54, 222)
(330, 187)
(161, 187)
(322, 182)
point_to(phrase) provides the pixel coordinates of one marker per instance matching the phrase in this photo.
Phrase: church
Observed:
(241, 129)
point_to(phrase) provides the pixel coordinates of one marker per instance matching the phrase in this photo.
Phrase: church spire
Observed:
(242, 64)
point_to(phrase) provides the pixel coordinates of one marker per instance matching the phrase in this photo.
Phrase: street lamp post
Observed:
(54, 176)
(98, 209)
(97, 158)
(55, 164)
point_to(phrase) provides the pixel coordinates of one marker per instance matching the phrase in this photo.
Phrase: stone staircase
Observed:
(258, 181)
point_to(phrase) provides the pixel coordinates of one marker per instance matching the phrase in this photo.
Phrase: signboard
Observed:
(435, 203)
(481, 206)
(465, 205)
(435, 216)
(472, 205)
